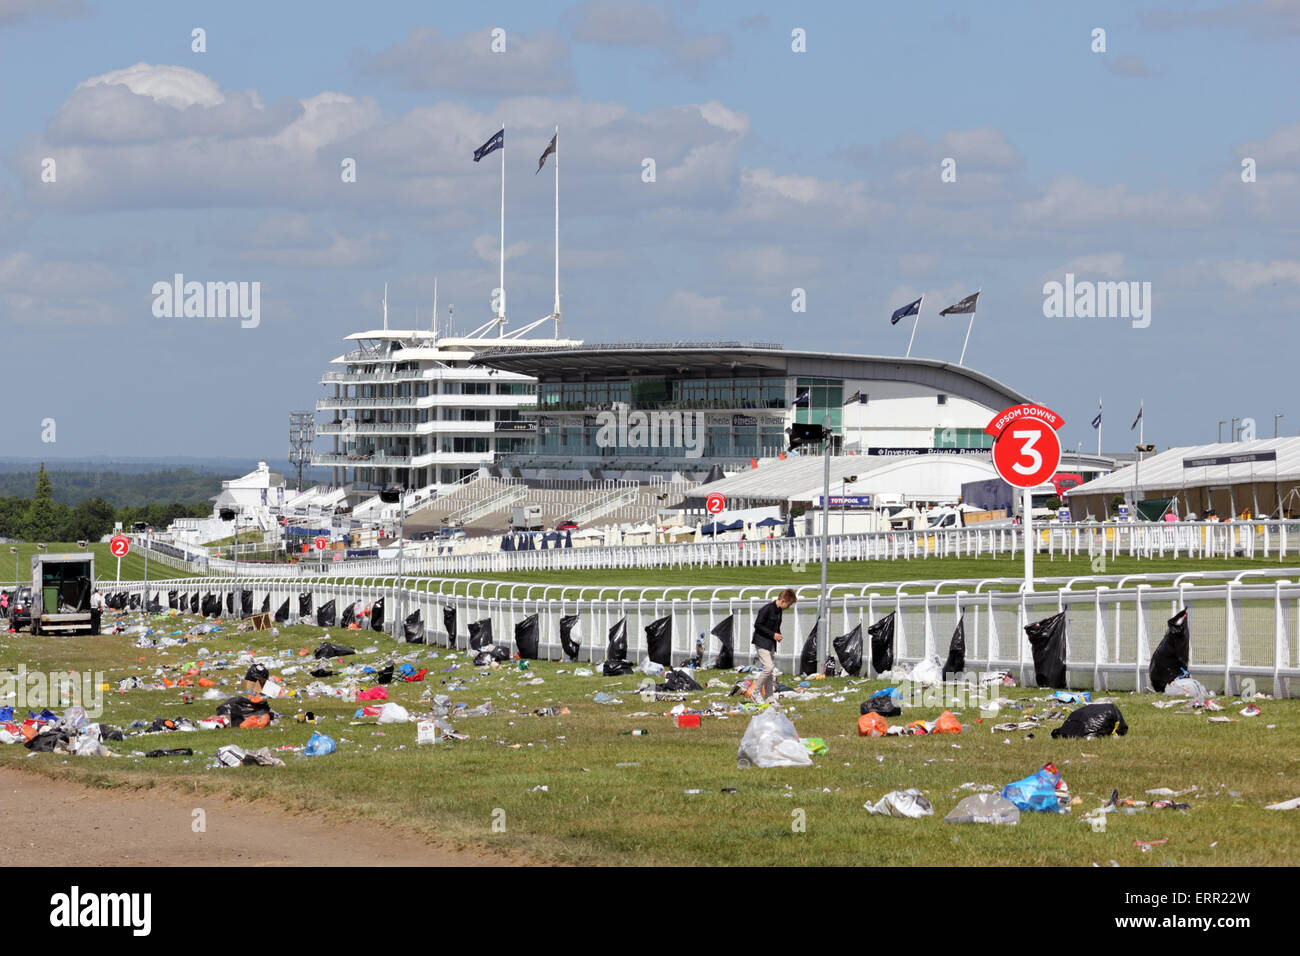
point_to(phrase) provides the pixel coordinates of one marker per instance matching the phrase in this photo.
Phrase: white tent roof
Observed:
(800, 478)
(1166, 470)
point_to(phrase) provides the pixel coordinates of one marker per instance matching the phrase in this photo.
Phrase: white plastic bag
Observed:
(984, 808)
(928, 671)
(902, 803)
(650, 668)
(392, 713)
(1186, 687)
(770, 740)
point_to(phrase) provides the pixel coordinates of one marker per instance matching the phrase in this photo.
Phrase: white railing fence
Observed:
(1242, 630)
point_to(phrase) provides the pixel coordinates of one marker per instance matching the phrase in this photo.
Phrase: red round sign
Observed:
(1027, 453)
(715, 504)
(119, 545)
(322, 544)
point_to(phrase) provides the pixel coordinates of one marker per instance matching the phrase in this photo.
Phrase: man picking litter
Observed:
(767, 634)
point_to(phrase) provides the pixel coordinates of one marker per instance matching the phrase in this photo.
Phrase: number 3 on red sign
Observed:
(1030, 438)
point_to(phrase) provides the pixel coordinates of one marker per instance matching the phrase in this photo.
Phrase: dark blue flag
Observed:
(496, 142)
(802, 398)
(905, 311)
(1096, 422)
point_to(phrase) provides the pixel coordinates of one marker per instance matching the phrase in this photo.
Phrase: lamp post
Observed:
(1222, 422)
(1235, 419)
(1275, 418)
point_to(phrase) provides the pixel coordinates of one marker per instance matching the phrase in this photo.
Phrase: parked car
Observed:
(567, 526)
(20, 608)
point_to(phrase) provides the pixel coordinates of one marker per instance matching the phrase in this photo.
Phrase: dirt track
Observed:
(59, 823)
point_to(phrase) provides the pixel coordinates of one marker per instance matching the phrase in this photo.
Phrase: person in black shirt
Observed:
(767, 634)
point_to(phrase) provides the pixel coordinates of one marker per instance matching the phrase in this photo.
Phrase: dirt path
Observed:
(51, 822)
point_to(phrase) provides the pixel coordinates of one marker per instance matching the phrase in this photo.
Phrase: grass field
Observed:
(866, 572)
(105, 563)
(615, 799)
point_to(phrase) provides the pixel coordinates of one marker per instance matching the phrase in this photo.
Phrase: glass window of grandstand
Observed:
(825, 396)
(962, 438)
(650, 393)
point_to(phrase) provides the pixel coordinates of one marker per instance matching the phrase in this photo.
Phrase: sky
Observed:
(906, 149)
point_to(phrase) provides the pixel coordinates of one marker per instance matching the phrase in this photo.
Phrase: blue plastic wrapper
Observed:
(1035, 793)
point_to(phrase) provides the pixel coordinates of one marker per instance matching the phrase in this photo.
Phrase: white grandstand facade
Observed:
(412, 409)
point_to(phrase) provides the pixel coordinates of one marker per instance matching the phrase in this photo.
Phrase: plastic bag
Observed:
(619, 668)
(927, 672)
(1047, 638)
(723, 630)
(240, 709)
(377, 615)
(872, 725)
(652, 668)
(1093, 720)
(1036, 792)
(848, 648)
(331, 650)
(676, 682)
(617, 647)
(883, 703)
(526, 637)
(413, 628)
(320, 745)
(770, 740)
(808, 656)
(948, 724)
(569, 639)
(659, 641)
(908, 803)
(984, 808)
(1173, 655)
(392, 713)
(956, 662)
(1187, 687)
(882, 644)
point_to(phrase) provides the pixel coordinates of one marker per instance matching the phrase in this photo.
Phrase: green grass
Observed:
(596, 812)
(866, 572)
(105, 563)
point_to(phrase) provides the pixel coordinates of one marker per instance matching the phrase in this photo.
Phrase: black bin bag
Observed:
(659, 641)
(848, 648)
(882, 644)
(304, 604)
(526, 638)
(886, 705)
(194, 603)
(1047, 640)
(329, 649)
(377, 615)
(349, 614)
(1093, 720)
(808, 656)
(723, 631)
(569, 639)
(266, 603)
(1172, 657)
(245, 603)
(956, 662)
(325, 615)
(171, 599)
(480, 633)
(677, 681)
(449, 624)
(616, 662)
(413, 628)
(230, 603)
(239, 709)
(282, 613)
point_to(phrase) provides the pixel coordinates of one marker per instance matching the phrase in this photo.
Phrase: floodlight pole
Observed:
(826, 546)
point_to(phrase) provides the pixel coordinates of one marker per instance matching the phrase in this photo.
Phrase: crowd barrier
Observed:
(1242, 628)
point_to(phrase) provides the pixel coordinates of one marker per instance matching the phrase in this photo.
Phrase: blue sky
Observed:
(776, 170)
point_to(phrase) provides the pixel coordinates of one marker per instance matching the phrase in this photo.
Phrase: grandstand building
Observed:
(412, 408)
(683, 407)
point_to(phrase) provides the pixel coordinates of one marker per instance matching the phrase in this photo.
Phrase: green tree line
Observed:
(118, 488)
(42, 518)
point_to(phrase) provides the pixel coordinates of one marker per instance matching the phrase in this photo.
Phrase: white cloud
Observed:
(632, 23)
(53, 292)
(1070, 202)
(18, 11)
(1247, 276)
(767, 264)
(428, 60)
(175, 86)
(1109, 265)
(685, 309)
(488, 248)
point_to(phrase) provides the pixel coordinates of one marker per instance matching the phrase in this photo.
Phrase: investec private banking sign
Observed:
(1026, 448)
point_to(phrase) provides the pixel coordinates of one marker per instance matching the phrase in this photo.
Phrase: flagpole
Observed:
(501, 312)
(557, 231)
(915, 323)
(970, 325)
(1099, 424)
